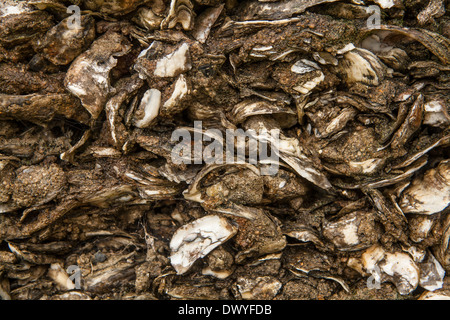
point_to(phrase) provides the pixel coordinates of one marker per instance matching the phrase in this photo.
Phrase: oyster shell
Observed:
(180, 12)
(149, 105)
(41, 108)
(257, 10)
(113, 7)
(360, 65)
(430, 193)
(354, 231)
(261, 288)
(397, 267)
(170, 61)
(354, 193)
(431, 273)
(60, 45)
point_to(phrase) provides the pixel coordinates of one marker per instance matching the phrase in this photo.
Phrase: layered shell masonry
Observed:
(118, 162)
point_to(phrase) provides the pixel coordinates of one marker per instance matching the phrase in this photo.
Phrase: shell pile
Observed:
(353, 203)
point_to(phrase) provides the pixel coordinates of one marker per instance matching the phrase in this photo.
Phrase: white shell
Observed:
(434, 296)
(222, 274)
(385, 4)
(265, 287)
(150, 104)
(9, 7)
(399, 268)
(304, 66)
(431, 274)
(198, 238)
(428, 194)
(175, 63)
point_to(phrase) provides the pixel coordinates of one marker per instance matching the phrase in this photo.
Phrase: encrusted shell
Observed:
(88, 76)
(196, 239)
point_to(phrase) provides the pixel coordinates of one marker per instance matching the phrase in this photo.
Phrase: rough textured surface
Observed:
(91, 194)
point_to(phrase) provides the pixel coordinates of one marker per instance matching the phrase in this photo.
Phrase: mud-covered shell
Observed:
(62, 44)
(160, 60)
(259, 236)
(35, 185)
(397, 267)
(42, 108)
(220, 263)
(301, 77)
(429, 193)
(19, 26)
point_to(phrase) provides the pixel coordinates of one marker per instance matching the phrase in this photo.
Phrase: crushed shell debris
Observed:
(94, 206)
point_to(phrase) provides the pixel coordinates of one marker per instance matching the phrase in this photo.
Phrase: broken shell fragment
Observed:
(149, 107)
(261, 288)
(354, 231)
(429, 193)
(175, 63)
(205, 21)
(60, 277)
(93, 173)
(419, 226)
(360, 65)
(248, 108)
(159, 60)
(88, 76)
(180, 12)
(198, 238)
(435, 114)
(431, 273)
(174, 103)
